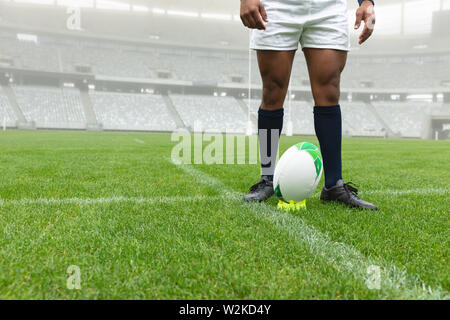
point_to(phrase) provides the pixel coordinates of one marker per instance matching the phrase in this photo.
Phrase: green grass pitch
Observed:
(138, 226)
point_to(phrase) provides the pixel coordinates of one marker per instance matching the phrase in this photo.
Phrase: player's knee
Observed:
(327, 90)
(274, 92)
(327, 95)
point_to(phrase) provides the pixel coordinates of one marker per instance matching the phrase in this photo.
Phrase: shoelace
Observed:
(351, 188)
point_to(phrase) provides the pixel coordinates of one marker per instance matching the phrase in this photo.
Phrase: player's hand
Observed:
(365, 13)
(253, 14)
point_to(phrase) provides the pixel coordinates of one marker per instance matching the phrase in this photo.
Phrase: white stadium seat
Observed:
(128, 111)
(211, 113)
(7, 115)
(51, 107)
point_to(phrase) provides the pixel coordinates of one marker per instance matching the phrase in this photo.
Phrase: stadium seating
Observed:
(206, 66)
(104, 61)
(406, 118)
(51, 107)
(29, 55)
(7, 115)
(254, 105)
(440, 109)
(62, 108)
(302, 117)
(128, 111)
(211, 113)
(358, 120)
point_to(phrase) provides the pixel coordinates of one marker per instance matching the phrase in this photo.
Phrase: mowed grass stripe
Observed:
(154, 200)
(395, 283)
(118, 199)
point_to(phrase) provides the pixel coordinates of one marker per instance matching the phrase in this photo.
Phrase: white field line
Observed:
(395, 283)
(152, 200)
(139, 141)
(89, 201)
(429, 191)
(401, 192)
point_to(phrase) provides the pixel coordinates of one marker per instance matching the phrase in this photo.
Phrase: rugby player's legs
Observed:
(325, 67)
(275, 68)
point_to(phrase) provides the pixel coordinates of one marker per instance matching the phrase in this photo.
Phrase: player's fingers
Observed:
(367, 32)
(263, 13)
(259, 21)
(251, 22)
(244, 20)
(362, 36)
(359, 16)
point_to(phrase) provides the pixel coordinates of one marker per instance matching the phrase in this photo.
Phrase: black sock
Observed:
(270, 124)
(328, 125)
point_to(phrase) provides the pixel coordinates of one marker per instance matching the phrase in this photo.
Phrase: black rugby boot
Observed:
(261, 191)
(347, 194)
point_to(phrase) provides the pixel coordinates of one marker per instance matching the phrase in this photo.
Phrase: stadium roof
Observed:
(199, 6)
(413, 18)
(216, 5)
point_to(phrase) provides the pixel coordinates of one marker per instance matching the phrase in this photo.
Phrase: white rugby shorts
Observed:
(312, 23)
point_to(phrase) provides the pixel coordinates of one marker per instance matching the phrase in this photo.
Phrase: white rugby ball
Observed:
(298, 172)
